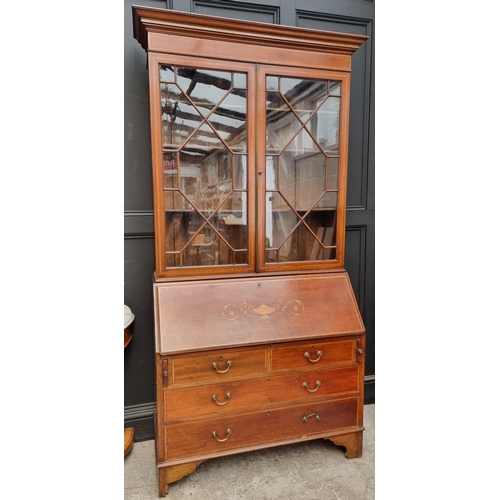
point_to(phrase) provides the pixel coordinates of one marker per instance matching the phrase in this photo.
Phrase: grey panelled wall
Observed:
(349, 16)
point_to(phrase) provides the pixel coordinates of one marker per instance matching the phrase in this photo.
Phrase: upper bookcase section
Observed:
(186, 30)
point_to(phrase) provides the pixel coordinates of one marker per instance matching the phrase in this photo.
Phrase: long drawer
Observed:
(236, 395)
(197, 438)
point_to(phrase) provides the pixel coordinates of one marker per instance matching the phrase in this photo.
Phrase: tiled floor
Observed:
(314, 470)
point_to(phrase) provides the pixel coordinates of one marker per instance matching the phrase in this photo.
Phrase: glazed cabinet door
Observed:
(203, 123)
(302, 162)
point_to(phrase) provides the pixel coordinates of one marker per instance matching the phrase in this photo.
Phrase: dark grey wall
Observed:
(349, 16)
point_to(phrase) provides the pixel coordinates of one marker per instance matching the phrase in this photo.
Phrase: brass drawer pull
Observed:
(228, 397)
(214, 366)
(359, 352)
(305, 386)
(315, 415)
(306, 355)
(228, 433)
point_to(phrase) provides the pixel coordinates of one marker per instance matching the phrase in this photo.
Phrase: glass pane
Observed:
(303, 95)
(205, 182)
(233, 224)
(322, 224)
(226, 254)
(169, 170)
(272, 83)
(196, 224)
(174, 201)
(303, 144)
(199, 253)
(240, 80)
(271, 172)
(332, 173)
(233, 210)
(282, 127)
(177, 231)
(174, 114)
(288, 177)
(280, 221)
(335, 88)
(205, 88)
(240, 172)
(204, 139)
(306, 243)
(328, 200)
(229, 120)
(167, 74)
(310, 180)
(299, 175)
(214, 174)
(326, 126)
(272, 256)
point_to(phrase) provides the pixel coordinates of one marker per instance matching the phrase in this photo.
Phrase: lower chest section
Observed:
(215, 402)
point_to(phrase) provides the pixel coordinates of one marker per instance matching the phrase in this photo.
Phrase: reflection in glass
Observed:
(283, 125)
(272, 83)
(303, 95)
(327, 201)
(240, 80)
(332, 181)
(229, 120)
(177, 235)
(335, 88)
(326, 127)
(284, 220)
(205, 183)
(167, 74)
(180, 118)
(174, 200)
(240, 172)
(302, 124)
(169, 170)
(204, 88)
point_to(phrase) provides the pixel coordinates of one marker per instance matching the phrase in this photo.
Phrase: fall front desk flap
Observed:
(199, 315)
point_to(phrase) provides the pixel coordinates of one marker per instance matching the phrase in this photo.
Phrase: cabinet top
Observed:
(160, 21)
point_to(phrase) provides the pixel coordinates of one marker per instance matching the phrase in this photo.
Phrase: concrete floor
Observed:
(314, 470)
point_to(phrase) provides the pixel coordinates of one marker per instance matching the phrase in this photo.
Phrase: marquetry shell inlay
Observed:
(232, 311)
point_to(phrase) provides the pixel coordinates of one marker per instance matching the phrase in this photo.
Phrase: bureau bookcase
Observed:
(259, 339)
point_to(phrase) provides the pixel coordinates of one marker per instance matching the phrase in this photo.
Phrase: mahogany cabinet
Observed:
(259, 339)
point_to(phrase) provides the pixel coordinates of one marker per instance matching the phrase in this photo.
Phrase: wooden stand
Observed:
(128, 439)
(129, 431)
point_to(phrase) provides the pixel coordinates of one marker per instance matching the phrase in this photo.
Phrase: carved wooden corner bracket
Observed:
(174, 473)
(353, 443)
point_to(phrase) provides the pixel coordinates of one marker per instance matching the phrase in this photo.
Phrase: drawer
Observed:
(217, 365)
(314, 354)
(208, 436)
(187, 402)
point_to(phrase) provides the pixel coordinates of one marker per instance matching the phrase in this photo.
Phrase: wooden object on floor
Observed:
(127, 336)
(259, 339)
(129, 431)
(128, 439)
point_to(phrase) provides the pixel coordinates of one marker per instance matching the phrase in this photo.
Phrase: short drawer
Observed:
(217, 366)
(187, 402)
(314, 354)
(198, 438)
